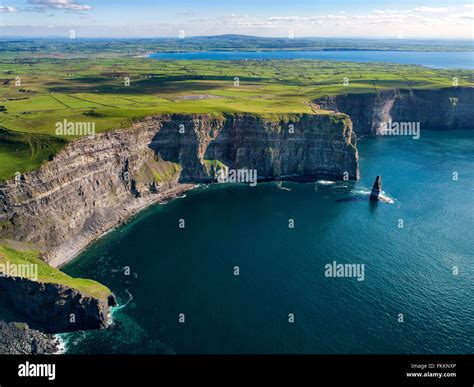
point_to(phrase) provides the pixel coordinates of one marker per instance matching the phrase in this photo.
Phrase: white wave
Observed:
(383, 197)
(326, 182)
(280, 186)
(360, 192)
(386, 199)
(62, 348)
(67, 340)
(119, 307)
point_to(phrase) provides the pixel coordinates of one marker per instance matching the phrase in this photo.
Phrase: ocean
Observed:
(239, 279)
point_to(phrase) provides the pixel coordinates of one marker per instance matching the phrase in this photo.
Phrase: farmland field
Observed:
(112, 92)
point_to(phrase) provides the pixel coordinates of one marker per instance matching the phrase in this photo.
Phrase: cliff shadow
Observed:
(177, 141)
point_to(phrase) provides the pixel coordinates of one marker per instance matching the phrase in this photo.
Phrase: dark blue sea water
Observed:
(408, 270)
(460, 60)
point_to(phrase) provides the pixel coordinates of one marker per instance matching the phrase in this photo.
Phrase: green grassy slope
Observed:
(50, 274)
(23, 152)
(94, 90)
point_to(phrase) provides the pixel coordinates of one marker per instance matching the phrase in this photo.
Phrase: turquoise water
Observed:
(461, 60)
(407, 270)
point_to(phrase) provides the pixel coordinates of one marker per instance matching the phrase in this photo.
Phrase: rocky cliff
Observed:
(55, 308)
(443, 109)
(97, 182)
(20, 339)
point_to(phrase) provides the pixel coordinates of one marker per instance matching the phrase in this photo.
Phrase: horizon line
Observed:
(239, 35)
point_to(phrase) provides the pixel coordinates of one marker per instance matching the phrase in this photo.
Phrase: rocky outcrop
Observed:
(442, 109)
(97, 182)
(20, 339)
(55, 308)
(301, 147)
(376, 189)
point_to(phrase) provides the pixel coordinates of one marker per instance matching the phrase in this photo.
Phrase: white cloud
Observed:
(453, 22)
(430, 9)
(419, 21)
(67, 5)
(7, 9)
(385, 11)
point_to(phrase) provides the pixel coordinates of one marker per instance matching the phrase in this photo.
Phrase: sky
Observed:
(279, 18)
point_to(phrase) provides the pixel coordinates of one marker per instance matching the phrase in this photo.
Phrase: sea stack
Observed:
(376, 189)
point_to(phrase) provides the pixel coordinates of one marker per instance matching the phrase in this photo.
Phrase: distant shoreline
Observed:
(462, 60)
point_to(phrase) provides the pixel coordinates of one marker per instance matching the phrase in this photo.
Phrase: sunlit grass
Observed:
(84, 90)
(49, 274)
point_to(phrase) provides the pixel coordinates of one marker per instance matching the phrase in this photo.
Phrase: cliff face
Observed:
(443, 109)
(304, 147)
(55, 308)
(19, 339)
(96, 182)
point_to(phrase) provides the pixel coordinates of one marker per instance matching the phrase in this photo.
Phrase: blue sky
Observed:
(299, 18)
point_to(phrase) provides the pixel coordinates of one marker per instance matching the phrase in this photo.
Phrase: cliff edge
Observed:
(97, 182)
(435, 109)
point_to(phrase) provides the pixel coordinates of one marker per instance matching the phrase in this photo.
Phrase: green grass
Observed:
(50, 274)
(23, 152)
(158, 171)
(212, 166)
(93, 90)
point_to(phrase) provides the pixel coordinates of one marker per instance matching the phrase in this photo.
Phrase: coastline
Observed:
(71, 249)
(157, 277)
(18, 338)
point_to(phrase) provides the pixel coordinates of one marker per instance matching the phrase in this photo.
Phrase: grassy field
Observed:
(50, 274)
(94, 90)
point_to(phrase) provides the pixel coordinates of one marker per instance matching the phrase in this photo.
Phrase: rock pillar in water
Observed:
(376, 189)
